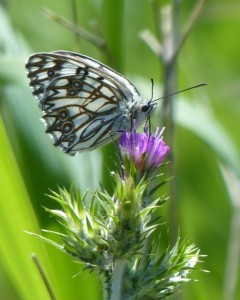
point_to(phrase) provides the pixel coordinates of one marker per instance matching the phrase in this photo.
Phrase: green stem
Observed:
(169, 64)
(232, 183)
(44, 277)
(81, 32)
(75, 21)
(117, 279)
(172, 44)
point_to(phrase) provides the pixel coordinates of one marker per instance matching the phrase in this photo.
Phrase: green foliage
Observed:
(109, 235)
(160, 275)
(17, 214)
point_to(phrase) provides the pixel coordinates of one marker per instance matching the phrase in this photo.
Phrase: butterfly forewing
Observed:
(84, 102)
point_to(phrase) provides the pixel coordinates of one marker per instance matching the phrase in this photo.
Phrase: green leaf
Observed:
(16, 215)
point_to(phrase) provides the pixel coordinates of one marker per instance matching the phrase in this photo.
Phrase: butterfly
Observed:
(84, 102)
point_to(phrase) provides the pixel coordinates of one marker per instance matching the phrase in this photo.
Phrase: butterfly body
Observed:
(84, 102)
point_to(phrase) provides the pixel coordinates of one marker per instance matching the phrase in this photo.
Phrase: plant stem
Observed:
(117, 279)
(167, 50)
(44, 277)
(81, 32)
(75, 21)
(192, 19)
(170, 35)
(232, 183)
(94, 39)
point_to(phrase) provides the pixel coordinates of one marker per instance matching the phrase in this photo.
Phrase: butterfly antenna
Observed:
(184, 90)
(118, 152)
(152, 81)
(147, 125)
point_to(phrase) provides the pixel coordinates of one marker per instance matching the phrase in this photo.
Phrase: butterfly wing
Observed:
(84, 102)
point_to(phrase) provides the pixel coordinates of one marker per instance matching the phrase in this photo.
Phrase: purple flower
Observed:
(146, 151)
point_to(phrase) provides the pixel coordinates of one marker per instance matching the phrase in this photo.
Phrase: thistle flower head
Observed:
(147, 152)
(113, 233)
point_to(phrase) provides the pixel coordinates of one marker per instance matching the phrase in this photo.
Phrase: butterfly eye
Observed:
(76, 84)
(51, 73)
(63, 114)
(72, 92)
(145, 108)
(67, 127)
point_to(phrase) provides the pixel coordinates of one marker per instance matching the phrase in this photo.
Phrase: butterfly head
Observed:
(147, 108)
(142, 112)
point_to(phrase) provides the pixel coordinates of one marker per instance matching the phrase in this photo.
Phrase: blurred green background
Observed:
(206, 144)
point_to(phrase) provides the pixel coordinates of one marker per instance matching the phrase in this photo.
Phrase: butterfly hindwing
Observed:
(80, 102)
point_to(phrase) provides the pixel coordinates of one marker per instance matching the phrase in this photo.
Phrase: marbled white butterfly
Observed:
(84, 102)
